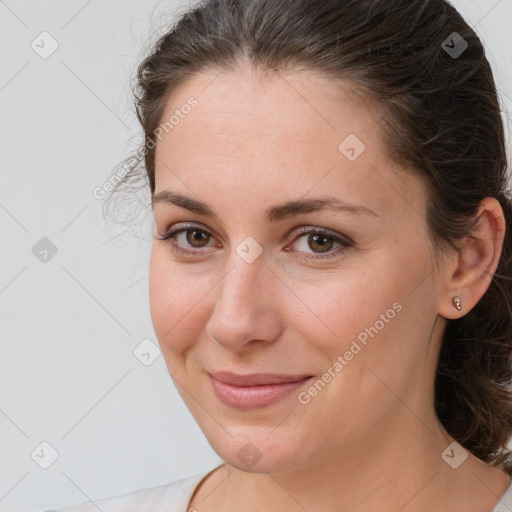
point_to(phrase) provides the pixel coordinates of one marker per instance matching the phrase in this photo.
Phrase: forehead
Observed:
(288, 130)
(272, 107)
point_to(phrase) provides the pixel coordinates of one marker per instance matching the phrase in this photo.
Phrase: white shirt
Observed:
(175, 497)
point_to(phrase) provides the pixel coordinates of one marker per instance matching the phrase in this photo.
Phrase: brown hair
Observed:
(443, 121)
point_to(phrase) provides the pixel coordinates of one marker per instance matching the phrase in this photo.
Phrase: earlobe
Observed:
(469, 275)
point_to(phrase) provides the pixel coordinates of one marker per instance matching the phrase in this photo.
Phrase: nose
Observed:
(246, 310)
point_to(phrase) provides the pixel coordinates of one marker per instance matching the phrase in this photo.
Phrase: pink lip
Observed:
(255, 390)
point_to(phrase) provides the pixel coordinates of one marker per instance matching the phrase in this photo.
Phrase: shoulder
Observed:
(505, 503)
(173, 497)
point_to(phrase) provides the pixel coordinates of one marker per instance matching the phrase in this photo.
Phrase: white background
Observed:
(68, 328)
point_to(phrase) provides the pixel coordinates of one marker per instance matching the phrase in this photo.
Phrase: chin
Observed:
(257, 452)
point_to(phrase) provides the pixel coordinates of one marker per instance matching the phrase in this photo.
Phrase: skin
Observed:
(370, 440)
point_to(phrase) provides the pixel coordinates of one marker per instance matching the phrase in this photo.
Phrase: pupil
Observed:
(194, 239)
(323, 248)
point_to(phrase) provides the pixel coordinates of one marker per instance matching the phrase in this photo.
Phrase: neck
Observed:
(400, 469)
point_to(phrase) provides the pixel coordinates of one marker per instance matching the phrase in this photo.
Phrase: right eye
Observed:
(192, 235)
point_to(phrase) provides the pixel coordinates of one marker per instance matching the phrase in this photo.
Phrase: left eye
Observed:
(317, 239)
(321, 241)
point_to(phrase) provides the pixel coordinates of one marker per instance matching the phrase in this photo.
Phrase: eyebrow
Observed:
(273, 214)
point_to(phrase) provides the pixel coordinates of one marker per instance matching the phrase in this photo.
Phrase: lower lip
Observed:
(253, 397)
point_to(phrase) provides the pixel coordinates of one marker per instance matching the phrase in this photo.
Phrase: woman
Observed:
(330, 277)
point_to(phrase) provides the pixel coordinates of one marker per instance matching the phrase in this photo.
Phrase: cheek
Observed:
(382, 326)
(341, 308)
(175, 303)
(365, 316)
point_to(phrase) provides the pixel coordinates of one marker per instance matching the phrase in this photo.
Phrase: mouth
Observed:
(255, 390)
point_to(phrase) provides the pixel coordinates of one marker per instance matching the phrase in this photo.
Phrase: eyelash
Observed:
(345, 242)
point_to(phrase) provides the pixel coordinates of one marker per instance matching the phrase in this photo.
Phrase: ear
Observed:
(468, 272)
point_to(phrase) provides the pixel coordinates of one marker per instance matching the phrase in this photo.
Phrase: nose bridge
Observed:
(240, 288)
(242, 312)
(246, 274)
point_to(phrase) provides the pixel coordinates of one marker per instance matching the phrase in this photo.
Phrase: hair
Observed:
(442, 121)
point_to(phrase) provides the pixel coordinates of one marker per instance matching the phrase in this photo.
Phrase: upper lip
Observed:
(256, 379)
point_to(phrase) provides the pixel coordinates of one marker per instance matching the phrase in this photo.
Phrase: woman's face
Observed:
(351, 309)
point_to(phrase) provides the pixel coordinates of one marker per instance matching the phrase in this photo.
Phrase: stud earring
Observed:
(456, 303)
